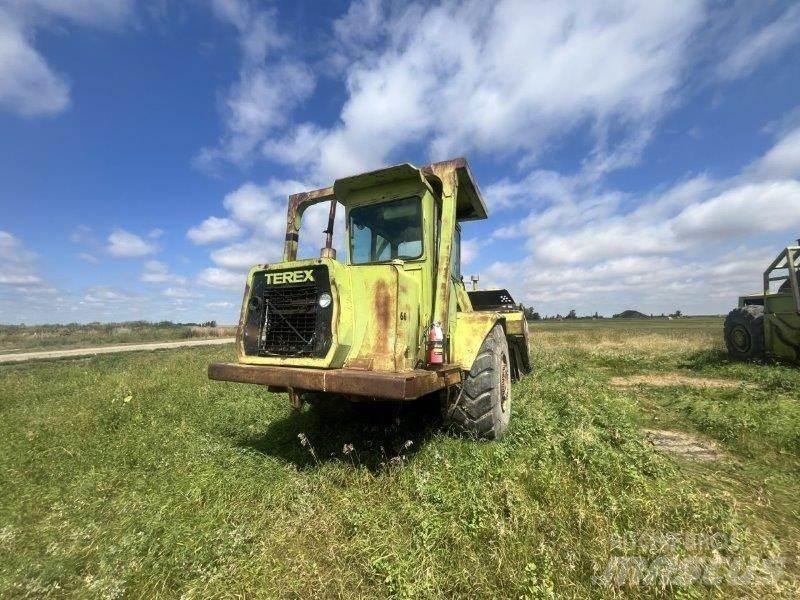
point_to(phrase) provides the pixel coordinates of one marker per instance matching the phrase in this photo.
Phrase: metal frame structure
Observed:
(789, 259)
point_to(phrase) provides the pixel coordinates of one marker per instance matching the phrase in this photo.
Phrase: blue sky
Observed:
(633, 154)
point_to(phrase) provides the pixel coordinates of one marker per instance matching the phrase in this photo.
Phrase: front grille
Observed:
(289, 320)
(284, 318)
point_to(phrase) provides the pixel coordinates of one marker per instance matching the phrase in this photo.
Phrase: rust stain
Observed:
(383, 318)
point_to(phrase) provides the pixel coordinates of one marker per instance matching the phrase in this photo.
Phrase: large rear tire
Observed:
(483, 405)
(744, 332)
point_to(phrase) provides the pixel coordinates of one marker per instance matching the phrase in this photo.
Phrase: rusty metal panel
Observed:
(376, 324)
(406, 385)
(470, 205)
(298, 203)
(443, 282)
(470, 331)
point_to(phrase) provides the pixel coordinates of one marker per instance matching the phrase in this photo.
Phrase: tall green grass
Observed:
(134, 476)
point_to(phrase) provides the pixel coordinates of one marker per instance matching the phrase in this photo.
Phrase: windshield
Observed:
(382, 232)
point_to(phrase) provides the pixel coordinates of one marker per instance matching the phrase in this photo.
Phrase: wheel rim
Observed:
(740, 339)
(505, 396)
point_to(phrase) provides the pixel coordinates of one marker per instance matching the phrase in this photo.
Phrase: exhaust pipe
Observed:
(329, 251)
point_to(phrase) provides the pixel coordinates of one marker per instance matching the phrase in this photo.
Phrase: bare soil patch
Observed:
(683, 445)
(673, 379)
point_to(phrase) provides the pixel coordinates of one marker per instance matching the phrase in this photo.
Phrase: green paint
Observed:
(382, 310)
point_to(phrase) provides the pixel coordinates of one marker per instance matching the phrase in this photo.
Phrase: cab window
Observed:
(386, 231)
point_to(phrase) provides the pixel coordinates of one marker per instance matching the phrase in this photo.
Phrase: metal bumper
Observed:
(406, 385)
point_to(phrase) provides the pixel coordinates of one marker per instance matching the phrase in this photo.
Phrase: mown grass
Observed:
(134, 476)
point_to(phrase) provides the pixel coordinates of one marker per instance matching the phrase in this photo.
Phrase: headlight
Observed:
(325, 300)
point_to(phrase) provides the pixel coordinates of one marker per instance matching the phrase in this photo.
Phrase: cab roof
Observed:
(470, 205)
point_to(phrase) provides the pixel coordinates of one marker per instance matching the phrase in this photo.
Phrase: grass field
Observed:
(134, 476)
(22, 338)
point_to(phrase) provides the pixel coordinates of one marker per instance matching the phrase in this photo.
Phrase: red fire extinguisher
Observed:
(435, 345)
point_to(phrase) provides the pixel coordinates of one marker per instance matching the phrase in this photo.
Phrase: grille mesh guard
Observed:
(289, 320)
(285, 319)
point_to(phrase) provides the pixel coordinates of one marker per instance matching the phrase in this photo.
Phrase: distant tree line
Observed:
(533, 315)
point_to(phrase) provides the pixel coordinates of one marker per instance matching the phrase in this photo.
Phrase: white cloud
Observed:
(765, 44)
(262, 208)
(692, 243)
(470, 249)
(90, 258)
(124, 244)
(783, 159)
(265, 92)
(221, 278)
(28, 85)
(214, 229)
(505, 80)
(180, 293)
(103, 294)
(260, 101)
(743, 211)
(219, 304)
(259, 213)
(242, 256)
(17, 264)
(498, 77)
(156, 271)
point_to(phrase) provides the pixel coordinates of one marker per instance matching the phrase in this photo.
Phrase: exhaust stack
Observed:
(329, 251)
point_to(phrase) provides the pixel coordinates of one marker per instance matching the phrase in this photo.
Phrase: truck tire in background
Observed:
(483, 406)
(744, 332)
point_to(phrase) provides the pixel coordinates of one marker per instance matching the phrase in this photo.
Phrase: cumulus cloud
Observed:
(221, 278)
(496, 77)
(258, 212)
(507, 81)
(262, 206)
(240, 257)
(743, 211)
(29, 87)
(693, 242)
(214, 229)
(266, 91)
(124, 244)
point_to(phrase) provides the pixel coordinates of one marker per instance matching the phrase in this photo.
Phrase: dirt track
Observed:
(26, 356)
